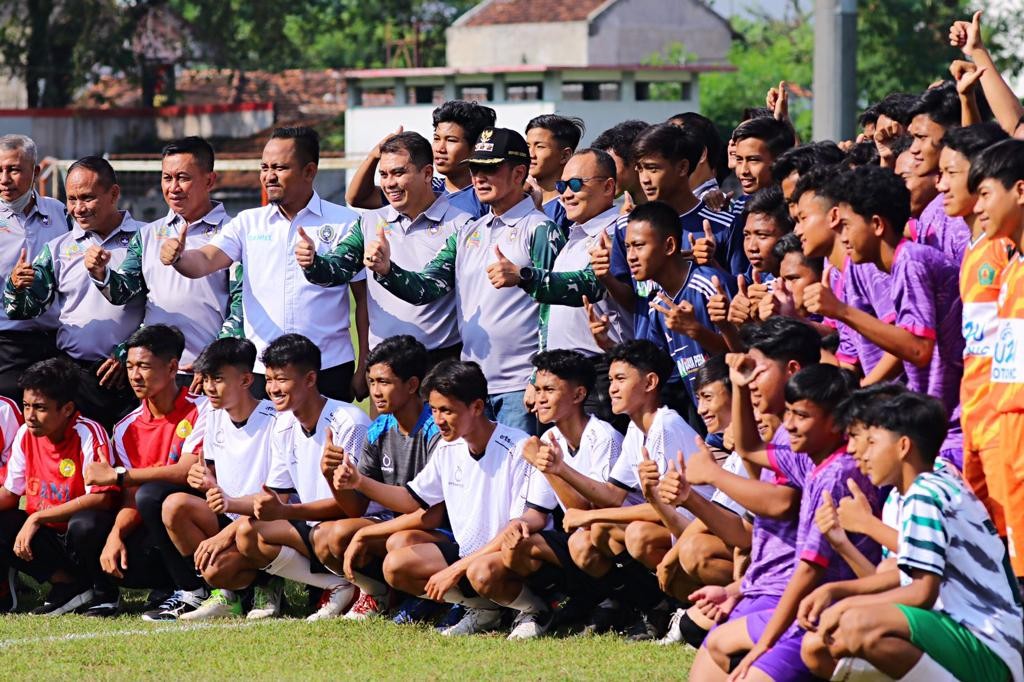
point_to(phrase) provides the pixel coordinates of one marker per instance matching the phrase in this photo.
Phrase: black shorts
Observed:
(450, 552)
(569, 577)
(223, 521)
(306, 533)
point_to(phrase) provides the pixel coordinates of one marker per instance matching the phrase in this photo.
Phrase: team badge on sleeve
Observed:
(184, 429)
(66, 468)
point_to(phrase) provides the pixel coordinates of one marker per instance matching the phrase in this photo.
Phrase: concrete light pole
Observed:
(835, 69)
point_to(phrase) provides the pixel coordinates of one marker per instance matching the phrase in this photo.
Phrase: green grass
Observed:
(127, 648)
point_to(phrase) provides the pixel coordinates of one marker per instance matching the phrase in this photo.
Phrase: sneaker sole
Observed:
(260, 615)
(73, 604)
(195, 615)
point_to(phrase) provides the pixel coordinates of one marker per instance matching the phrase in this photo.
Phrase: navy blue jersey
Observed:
(466, 200)
(687, 354)
(556, 211)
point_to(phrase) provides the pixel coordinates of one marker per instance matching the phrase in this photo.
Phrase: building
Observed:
(584, 33)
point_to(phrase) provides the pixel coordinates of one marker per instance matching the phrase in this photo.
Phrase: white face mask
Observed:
(18, 205)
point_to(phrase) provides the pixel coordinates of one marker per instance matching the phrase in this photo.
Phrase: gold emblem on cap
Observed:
(486, 135)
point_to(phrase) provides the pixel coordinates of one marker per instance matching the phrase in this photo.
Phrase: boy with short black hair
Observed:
(48, 458)
(552, 139)
(576, 454)
(398, 445)
(203, 522)
(926, 333)
(952, 610)
(279, 537)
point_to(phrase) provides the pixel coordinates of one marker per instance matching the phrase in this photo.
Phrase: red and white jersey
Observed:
(10, 420)
(50, 474)
(142, 440)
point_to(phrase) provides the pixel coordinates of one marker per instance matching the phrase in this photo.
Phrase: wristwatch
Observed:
(526, 274)
(120, 471)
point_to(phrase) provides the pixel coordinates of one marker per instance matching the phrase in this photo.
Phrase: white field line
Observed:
(72, 636)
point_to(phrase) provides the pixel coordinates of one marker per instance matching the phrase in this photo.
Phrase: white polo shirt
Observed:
(599, 449)
(569, 326)
(413, 244)
(481, 495)
(45, 222)
(668, 434)
(277, 298)
(296, 454)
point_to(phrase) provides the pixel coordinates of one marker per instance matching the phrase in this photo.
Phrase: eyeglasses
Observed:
(575, 184)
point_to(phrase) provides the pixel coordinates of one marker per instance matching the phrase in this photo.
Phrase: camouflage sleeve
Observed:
(233, 322)
(545, 244)
(431, 283)
(563, 288)
(24, 304)
(340, 265)
(126, 283)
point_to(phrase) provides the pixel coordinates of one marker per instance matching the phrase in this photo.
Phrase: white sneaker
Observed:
(475, 621)
(334, 602)
(858, 670)
(367, 606)
(530, 625)
(218, 605)
(267, 600)
(674, 634)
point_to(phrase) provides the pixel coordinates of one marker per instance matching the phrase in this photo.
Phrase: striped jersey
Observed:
(946, 531)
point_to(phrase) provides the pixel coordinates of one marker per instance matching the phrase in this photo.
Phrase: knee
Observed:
(247, 537)
(601, 534)
(399, 540)
(394, 566)
(640, 538)
(857, 631)
(694, 554)
(175, 509)
(85, 526)
(815, 655)
(582, 550)
(323, 541)
(149, 498)
(482, 574)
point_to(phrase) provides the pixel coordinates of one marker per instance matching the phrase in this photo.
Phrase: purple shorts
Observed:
(782, 662)
(747, 606)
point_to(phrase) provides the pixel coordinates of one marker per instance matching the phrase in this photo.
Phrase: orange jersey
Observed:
(1007, 391)
(984, 260)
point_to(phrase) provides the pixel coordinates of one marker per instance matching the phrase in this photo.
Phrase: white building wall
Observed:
(550, 44)
(630, 31)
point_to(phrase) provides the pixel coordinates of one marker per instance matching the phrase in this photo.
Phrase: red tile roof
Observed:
(532, 11)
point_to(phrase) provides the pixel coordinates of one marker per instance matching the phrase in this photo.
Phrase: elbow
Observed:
(921, 353)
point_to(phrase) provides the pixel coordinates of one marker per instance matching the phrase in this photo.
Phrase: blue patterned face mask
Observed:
(18, 205)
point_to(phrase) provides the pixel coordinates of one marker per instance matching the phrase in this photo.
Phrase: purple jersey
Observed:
(869, 289)
(790, 467)
(832, 475)
(926, 294)
(773, 545)
(948, 234)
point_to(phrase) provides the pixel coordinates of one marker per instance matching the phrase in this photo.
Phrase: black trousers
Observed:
(149, 500)
(50, 551)
(335, 382)
(19, 350)
(105, 405)
(87, 535)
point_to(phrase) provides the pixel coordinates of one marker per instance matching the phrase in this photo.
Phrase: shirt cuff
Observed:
(102, 284)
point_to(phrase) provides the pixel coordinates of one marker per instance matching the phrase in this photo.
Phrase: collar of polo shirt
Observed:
(215, 216)
(434, 213)
(128, 224)
(313, 207)
(516, 213)
(600, 222)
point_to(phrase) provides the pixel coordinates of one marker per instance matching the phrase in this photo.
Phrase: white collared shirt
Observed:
(277, 298)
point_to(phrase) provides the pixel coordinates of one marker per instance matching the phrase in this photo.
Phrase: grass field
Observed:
(126, 648)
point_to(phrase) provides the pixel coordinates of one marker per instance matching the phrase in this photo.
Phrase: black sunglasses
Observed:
(575, 184)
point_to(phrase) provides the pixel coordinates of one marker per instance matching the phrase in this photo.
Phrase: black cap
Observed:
(496, 145)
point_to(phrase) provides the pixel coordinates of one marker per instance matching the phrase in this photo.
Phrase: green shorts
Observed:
(953, 646)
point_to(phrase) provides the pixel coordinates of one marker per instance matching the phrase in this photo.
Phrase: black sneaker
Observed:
(179, 603)
(64, 598)
(156, 598)
(454, 615)
(9, 592)
(104, 605)
(650, 625)
(603, 619)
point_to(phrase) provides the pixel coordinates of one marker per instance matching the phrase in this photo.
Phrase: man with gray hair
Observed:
(27, 222)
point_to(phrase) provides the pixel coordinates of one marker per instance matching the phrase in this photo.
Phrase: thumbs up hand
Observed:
(267, 506)
(966, 35)
(23, 274)
(627, 204)
(502, 272)
(601, 256)
(739, 306)
(377, 254)
(704, 248)
(819, 298)
(173, 247)
(826, 517)
(96, 259)
(305, 250)
(855, 513)
(648, 475)
(718, 305)
(674, 489)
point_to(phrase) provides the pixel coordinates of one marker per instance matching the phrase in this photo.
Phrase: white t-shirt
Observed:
(295, 454)
(734, 465)
(10, 420)
(241, 454)
(600, 446)
(481, 495)
(668, 434)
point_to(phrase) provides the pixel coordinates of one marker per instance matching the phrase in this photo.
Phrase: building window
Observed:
(524, 92)
(476, 93)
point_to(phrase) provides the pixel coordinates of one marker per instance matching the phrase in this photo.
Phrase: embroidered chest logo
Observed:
(66, 468)
(125, 238)
(72, 250)
(513, 232)
(388, 228)
(986, 275)
(326, 233)
(433, 229)
(165, 231)
(474, 239)
(184, 429)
